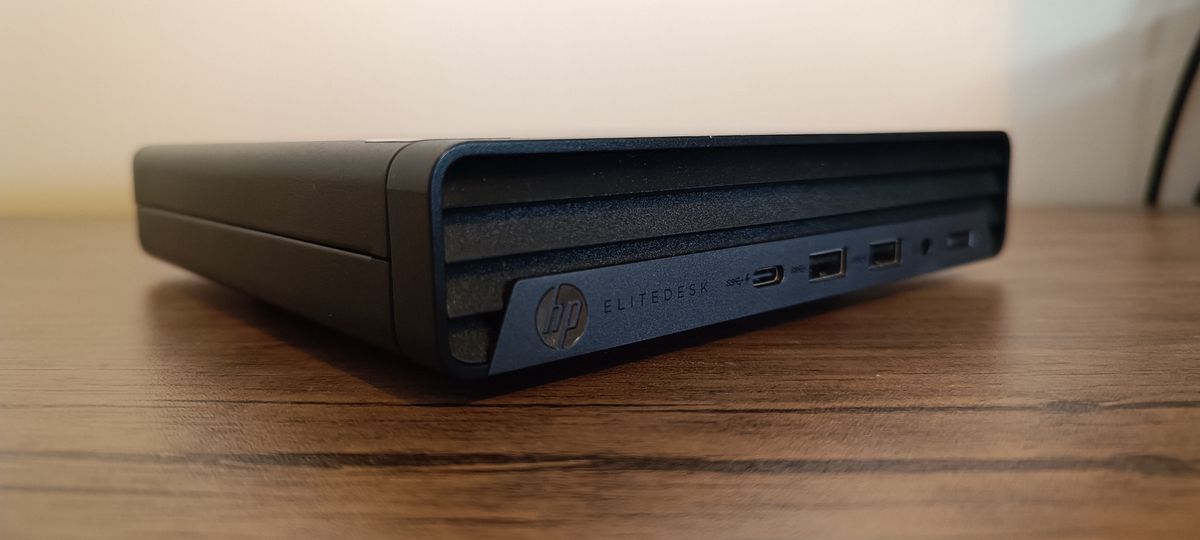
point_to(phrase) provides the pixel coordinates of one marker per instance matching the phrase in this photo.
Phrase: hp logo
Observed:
(562, 316)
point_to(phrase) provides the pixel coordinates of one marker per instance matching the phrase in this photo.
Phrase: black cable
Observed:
(1168, 133)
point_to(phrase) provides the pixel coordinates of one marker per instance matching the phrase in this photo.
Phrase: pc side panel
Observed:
(347, 291)
(413, 200)
(999, 228)
(328, 193)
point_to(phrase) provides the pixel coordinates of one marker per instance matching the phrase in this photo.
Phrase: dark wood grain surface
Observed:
(1053, 392)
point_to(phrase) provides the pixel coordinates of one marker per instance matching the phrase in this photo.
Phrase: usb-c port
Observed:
(765, 277)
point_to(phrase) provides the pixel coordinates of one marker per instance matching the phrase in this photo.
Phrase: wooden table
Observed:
(1053, 392)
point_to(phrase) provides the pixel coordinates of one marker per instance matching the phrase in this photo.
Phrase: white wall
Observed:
(1091, 85)
(1081, 85)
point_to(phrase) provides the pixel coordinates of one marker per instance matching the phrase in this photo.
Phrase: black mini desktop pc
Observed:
(479, 257)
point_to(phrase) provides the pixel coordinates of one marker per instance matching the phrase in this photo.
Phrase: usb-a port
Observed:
(825, 265)
(958, 240)
(883, 254)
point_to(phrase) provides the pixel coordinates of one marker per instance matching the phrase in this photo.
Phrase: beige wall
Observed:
(1081, 85)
